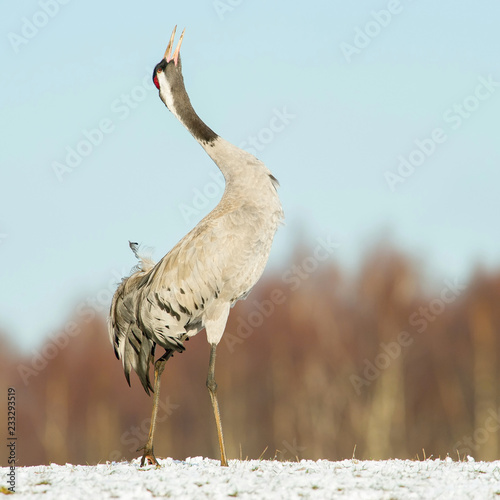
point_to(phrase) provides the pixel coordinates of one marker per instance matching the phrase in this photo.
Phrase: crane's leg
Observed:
(212, 389)
(148, 455)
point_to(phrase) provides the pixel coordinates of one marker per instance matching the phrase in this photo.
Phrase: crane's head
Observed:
(167, 75)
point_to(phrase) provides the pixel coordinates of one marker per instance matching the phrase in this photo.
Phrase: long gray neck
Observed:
(240, 168)
(177, 101)
(234, 163)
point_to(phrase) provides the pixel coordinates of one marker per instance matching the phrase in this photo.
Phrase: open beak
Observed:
(175, 55)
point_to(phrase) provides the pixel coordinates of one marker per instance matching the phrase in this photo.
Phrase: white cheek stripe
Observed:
(166, 94)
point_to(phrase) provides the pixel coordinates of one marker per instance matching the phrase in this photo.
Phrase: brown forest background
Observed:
(313, 364)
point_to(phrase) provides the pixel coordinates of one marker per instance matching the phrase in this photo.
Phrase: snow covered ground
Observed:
(200, 478)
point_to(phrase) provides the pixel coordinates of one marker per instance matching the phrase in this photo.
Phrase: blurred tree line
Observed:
(316, 363)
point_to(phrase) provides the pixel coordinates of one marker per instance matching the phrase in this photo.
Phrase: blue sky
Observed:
(334, 96)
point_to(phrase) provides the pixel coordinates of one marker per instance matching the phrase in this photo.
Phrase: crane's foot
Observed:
(148, 457)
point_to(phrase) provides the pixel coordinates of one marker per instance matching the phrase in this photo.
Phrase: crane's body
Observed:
(196, 283)
(212, 267)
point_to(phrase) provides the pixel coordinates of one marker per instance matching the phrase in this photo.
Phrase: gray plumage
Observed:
(213, 266)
